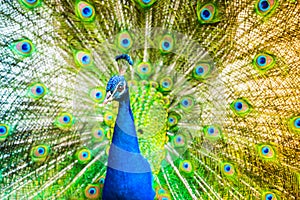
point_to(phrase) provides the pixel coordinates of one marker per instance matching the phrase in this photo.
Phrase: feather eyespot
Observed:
(266, 152)
(212, 132)
(31, 3)
(202, 71)
(269, 196)
(162, 194)
(101, 181)
(173, 119)
(39, 153)
(187, 103)
(228, 170)
(179, 141)
(161, 191)
(241, 107)
(97, 94)
(294, 123)
(85, 11)
(186, 166)
(297, 123)
(37, 90)
(145, 3)
(92, 191)
(165, 100)
(83, 155)
(166, 44)
(83, 59)
(124, 41)
(99, 134)
(23, 47)
(108, 118)
(144, 69)
(264, 7)
(64, 120)
(4, 131)
(207, 13)
(264, 61)
(166, 84)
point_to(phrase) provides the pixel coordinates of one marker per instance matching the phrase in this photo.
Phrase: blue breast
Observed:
(128, 173)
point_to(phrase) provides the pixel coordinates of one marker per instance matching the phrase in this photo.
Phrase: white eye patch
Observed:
(110, 96)
(120, 88)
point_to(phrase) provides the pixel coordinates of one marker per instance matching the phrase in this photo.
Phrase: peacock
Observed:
(206, 99)
(126, 165)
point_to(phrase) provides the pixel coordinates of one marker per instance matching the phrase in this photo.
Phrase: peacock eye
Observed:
(294, 123)
(187, 103)
(241, 107)
(39, 153)
(186, 166)
(85, 11)
(145, 3)
(212, 132)
(101, 180)
(264, 7)
(4, 131)
(173, 119)
(23, 47)
(92, 191)
(99, 133)
(37, 90)
(162, 194)
(109, 118)
(124, 41)
(64, 120)
(202, 71)
(120, 88)
(269, 196)
(228, 170)
(31, 3)
(264, 61)
(97, 94)
(266, 152)
(207, 13)
(179, 141)
(166, 84)
(144, 69)
(166, 44)
(83, 59)
(83, 155)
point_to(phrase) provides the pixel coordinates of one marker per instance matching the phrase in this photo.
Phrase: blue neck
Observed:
(128, 174)
(125, 136)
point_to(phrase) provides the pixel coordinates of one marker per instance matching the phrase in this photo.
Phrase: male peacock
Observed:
(214, 94)
(125, 163)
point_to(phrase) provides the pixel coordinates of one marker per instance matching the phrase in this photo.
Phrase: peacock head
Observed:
(116, 89)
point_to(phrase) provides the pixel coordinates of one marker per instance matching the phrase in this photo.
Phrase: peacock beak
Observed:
(108, 98)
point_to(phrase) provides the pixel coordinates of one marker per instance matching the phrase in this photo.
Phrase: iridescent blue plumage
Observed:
(128, 173)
